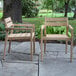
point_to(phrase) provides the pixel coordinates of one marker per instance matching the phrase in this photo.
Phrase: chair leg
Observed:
(5, 48)
(44, 46)
(71, 54)
(9, 47)
(31, 50)
(41, 50)
(34, 45)
(66, 47)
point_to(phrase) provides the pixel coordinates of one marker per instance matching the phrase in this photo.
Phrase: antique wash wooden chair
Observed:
(10, 35)
(56, 22)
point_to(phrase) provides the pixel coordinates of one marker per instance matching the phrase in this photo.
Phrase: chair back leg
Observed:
(34, 45)
(9, 47)
(44, 46)
(66, 47)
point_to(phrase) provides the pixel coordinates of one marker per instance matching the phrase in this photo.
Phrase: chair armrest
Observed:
(29, 25)
(12, 28)
(18, 28)
(71, 28)
(42, 27)
(26, 25)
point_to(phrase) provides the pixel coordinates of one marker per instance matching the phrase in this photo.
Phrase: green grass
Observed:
(73, 23)
(38, 21)
(1, 14)
(55, 14)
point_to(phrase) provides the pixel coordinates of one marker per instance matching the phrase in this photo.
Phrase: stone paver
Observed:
(25, 48)
(56, 62)
(18, 69)
(57, 67)
(20, 51)
(18, 62)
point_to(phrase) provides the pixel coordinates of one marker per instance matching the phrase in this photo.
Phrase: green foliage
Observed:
(2, 27)
(56, 5)
(47, 4)
(55, 30)
(39, 21)
(1, 14)
(29, 8)
(2, 31)
(52, 30)
(38, 33)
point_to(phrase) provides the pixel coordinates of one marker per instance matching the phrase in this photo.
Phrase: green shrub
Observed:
(2, 27)
(2, 31)
(52, 30)
(29, 8)
(55, 30)
(49, 30)
(38, 33)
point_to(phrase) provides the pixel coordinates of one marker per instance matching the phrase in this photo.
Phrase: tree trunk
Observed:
(13, 9)
(66, 7)
(74, 13)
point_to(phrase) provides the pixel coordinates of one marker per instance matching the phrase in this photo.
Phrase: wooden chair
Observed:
(10, 27)
(56, 22)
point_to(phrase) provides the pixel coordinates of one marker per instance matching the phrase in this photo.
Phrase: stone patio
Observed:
(55, 63)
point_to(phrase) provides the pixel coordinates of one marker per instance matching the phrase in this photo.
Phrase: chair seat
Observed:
(55, 37)
(20, 36)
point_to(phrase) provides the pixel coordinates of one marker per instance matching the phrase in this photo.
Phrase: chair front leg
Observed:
(71, 49)
(66, 47)
(5, 47)
(41, 49)
(9, 47)
(31, 49)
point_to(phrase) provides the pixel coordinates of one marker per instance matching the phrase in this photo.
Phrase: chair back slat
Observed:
(56, 21)
(8, 22)
(56, 24)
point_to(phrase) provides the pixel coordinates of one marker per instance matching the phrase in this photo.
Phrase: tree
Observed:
(56, 5)
(29, 8)
(74, 13)
(73, 7)
(13, 9)
(48, 4)
(66, 7)
(74, 3)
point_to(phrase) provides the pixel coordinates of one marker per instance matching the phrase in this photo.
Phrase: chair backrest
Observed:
(56, 21)
(8, 22)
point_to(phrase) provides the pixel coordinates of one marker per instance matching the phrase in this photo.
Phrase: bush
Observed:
(29, 8)
(2, 31)
(52, 30)
(55, 30)
(49, 30)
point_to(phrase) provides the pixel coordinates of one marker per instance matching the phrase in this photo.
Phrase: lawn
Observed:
(55, 14)
(38, 21)
(1, 14)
